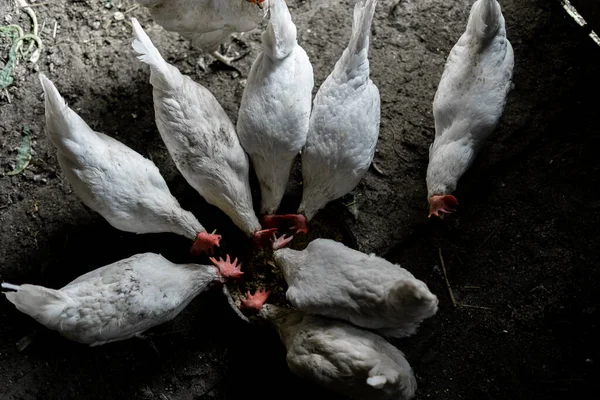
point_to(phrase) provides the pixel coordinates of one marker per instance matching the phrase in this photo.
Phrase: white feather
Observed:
(163, 75)
(338, 356)
(207, 23)
(344, 124)
(484, 19)
(332, 280)
(275, 109)
(10, 286)
(201, 140)
(117, 301)
(471, 96)
(110, 178)
(376, 381)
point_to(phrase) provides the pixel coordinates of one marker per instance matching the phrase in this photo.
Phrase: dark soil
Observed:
(521, 252)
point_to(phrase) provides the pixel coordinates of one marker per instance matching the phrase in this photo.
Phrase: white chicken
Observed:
(115, 181)
(344, 124)
(207, 23)
(120, 300)
(469, 101)
(201, 139)
(275, 109)
(339, 356)
(332, 280)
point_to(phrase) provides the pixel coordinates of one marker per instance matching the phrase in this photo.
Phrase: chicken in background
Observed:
(469, 101)
(201, 139)
(207, 23)
(275, 109)
(337, 355)
(332, 280)
(344, 124)
(115, 181)
(120, 300)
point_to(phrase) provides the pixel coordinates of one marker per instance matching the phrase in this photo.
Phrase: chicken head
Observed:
(442, 204)
(257, 2)
(254, 302)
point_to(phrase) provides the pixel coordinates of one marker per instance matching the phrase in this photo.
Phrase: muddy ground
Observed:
(521, 253)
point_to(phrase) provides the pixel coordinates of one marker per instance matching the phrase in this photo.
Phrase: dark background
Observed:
(521, 253)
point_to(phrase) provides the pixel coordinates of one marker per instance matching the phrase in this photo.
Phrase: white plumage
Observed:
(113, 180)
(469, 101)
(200, 137)
(332, 280)
(341, 357)
(275, 109)
(117, 301)
(344, 124)
(207, 23)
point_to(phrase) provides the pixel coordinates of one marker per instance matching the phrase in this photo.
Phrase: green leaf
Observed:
(24, 154)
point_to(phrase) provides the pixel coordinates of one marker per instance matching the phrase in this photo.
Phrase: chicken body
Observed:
(344, 124)
(469, 101)
(117, 301)
(115, 181)
(341, 357)
(332, 280)
(200, 137)
(275, 109)
(207, 23)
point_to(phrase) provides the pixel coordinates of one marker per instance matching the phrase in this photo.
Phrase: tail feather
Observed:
(355, 57)
(397, 375)
(383, 374)
(377, 381)
(364, 10)
(484, 19)
(279, 38)
(43, 304)
(412, 299)
(66, 130)
(10, 286)
(163, 75)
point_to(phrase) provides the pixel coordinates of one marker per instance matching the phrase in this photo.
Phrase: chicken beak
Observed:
(259, 5)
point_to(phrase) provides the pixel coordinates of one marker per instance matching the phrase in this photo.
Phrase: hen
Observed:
(332, 280)
(469, 101)
(275, 110)
(339, 356)
(344, 124)
(115, 181)
(200, 138)
(207, 23)
(120, 300)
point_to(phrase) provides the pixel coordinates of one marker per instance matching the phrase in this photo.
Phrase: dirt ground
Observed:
(521, 253)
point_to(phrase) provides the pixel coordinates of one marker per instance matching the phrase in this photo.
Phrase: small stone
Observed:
(96, 25)
(201, 63)
(119, 16)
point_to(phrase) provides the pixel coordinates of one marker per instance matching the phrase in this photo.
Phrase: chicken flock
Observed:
(344, 302)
